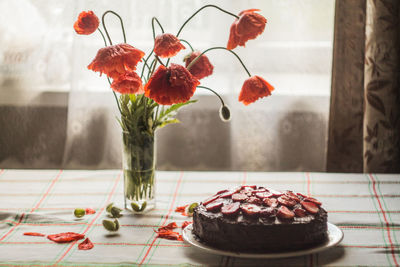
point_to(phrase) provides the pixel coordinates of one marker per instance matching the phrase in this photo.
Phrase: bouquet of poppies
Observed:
(150, 96)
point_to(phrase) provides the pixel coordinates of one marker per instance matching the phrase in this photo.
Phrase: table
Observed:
(365, 206)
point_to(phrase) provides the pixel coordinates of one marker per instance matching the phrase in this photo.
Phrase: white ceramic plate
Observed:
(335, 236)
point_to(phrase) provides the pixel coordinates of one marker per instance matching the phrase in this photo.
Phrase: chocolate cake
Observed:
(259, 219)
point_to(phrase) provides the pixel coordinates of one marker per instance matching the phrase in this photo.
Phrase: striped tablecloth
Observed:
(365, 206)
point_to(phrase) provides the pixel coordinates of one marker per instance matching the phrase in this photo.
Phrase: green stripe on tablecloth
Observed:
(161, 218)
(379, 216)
(177, 197)
(390, 217)
(113, 185)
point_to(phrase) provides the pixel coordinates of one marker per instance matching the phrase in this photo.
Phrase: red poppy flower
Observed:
(167, 45)
(254, 88)
(86, 23)
(116, 60)
(247, 27)
(128, 83)
(202, 68)
(171, 85)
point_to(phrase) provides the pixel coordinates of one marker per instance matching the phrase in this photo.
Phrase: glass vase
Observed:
(138, 162)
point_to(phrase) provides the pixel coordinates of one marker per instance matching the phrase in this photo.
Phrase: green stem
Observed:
(195, 13)
(115, 96)
(152, 25)
(182, 40)
(102, 35)
(104, 25)
(223, 48)
(220, 98)
(159, 60)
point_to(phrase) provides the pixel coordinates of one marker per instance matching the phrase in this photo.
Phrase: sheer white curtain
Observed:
(293, 54)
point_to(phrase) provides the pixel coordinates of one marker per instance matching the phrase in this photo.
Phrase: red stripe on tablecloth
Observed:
(308, 184)
(166, 217)
(47, 191)
(94, 219)
(384, 217)
(13, 228)
(244, 181)
(1, 171)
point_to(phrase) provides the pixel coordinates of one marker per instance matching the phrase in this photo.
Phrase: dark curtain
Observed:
(364, 123)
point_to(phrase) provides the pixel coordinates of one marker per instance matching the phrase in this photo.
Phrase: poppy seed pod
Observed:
(225, 113)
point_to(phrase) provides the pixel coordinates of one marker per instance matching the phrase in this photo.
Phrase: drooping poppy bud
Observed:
(87, 23)
(129, 83)
(116, 60)
(171, 85)
(254, 88)
(167, 45)
(247, 27)
(201, 68)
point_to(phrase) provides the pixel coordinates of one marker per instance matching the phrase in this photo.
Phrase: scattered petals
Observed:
(202, 67)
(116, 60)
(65, 237)
(89, 211)
(34, 234)
(185, 223)
(167, 45)
(181, 208)
(171, 85)
(85, 245)
(254, 88)
(86, 23)
(168, 227)
(128, 83)
(247, 27)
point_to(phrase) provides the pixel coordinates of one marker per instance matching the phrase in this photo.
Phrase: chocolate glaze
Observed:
(259, 234)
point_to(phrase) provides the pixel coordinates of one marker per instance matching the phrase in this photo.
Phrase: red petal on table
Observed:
(181, 208)
(210, 199)
(310, 207)
(86, 245)
(170, 235)
(34, 234)
(185, 223)
(313, 200)
(169, 226)
(89, 211)
(65, 237)
(285, 213)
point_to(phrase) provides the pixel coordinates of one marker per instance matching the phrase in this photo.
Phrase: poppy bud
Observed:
(225, 113)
